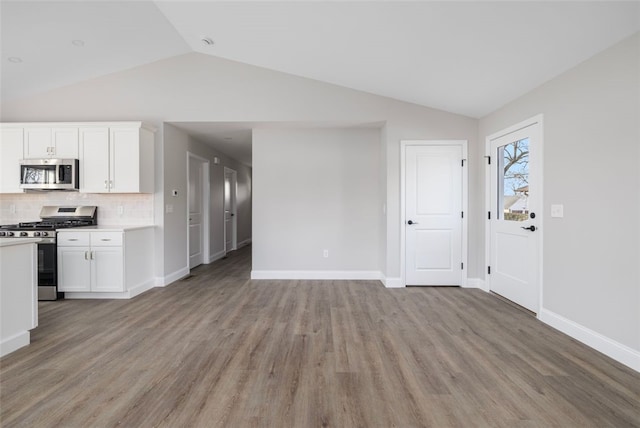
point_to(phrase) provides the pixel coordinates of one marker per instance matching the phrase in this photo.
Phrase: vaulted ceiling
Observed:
(464, 57)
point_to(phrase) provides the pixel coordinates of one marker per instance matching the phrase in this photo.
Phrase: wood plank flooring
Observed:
(220, 350)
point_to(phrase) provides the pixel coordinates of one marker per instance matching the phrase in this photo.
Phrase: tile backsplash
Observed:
(22, 207)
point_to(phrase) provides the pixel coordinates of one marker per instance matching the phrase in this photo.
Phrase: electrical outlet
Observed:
(168, 208)
(120, 210)
(12, 208)
(325, 254)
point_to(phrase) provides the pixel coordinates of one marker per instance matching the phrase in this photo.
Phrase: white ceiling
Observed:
(468, 58)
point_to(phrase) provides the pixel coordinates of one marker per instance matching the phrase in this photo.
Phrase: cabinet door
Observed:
(107, 269)
(10, 155)
(125, 160)
(94, 160)
(74, 269)
(65, 142)
(37, 143)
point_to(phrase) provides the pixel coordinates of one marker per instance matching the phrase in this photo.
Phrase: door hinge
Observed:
(488, 215)
(489, 270)
(488, 160)
(462, 266)
(462, 214)
(463, 163)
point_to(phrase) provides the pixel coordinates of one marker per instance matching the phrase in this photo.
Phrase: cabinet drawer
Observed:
(106, 239)
(73, 239)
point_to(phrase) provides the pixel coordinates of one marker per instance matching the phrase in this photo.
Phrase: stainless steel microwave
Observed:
(49, 174)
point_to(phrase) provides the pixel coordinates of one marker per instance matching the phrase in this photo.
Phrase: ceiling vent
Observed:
(207, 41)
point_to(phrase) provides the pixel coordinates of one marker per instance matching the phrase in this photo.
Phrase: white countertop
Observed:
(6, 242)
(107, 228)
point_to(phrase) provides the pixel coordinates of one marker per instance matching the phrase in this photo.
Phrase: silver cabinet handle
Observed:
(106, 184)
(72, 239)
(105, 239)
(91, 255)
(110, 184)
(86, 255)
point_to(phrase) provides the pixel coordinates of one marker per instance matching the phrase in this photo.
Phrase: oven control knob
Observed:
(10, 234)
(23, 234)
(36, 233)
(2, 233)
(45, 233)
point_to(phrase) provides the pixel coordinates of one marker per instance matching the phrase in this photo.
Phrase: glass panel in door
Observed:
(513, 181)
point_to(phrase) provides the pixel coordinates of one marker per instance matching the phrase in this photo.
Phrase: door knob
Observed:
(411, 222)
(532, 228)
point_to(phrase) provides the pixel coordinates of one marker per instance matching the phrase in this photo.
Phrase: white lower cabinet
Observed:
(95, 267)
(105, 264)
(107, 269)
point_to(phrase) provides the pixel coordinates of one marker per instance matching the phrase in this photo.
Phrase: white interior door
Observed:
(230, 185)
(433, 214)
(515, 201)
(195, 212)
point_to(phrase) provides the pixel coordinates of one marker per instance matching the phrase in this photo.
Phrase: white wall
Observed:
(591, 166)
(196, 87)
(177, 144)
(316, 189)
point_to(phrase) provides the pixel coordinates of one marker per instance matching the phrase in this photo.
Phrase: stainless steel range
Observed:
(53, 218)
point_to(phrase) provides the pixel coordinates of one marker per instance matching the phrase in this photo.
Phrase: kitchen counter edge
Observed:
(107, 228)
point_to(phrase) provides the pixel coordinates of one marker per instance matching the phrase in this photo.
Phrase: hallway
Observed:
(218, 349)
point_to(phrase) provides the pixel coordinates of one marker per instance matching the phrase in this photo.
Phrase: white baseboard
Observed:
(14, 342)
(243, 243)
(316, 274)
(216, 256)
(619, 352)
(477, 283)
(172, 277)
(393, 282)
(141, 288)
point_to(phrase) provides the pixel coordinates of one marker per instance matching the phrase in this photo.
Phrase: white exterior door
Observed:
(433, 214)
(515, 202)
(195, 212)
(229, 209)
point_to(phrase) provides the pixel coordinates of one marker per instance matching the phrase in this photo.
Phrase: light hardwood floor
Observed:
(218, 349)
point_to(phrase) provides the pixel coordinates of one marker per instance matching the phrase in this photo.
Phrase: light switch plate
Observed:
(557, 211)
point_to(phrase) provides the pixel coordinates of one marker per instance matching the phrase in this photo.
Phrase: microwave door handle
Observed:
(60, 173)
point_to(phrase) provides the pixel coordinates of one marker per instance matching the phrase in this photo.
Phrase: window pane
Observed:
(513, 181)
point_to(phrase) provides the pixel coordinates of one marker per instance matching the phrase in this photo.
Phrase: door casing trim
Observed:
(206, 178)
(234, 209)
(465, 202)
(538, 119)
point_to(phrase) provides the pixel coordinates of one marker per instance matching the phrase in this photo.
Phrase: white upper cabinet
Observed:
(10, 155)
(117, 159)
(47, 142)
(94, 160)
